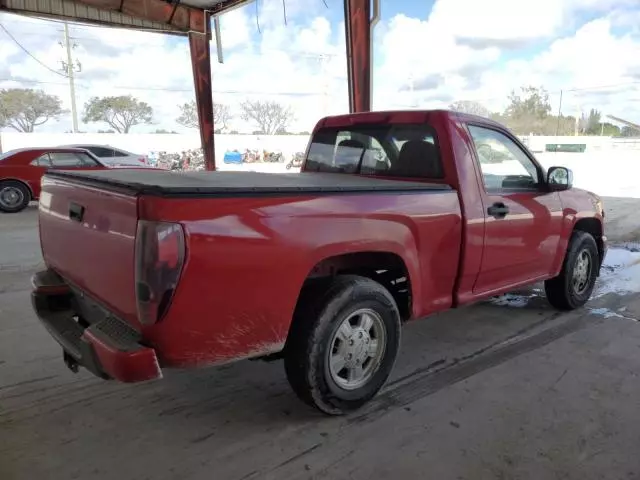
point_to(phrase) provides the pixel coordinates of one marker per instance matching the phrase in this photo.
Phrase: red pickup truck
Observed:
(395, 216)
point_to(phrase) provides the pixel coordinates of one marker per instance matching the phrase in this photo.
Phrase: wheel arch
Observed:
(387, 267)
(593, 226)
(18, 180)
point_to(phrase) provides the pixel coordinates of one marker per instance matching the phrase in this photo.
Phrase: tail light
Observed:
(159, 257)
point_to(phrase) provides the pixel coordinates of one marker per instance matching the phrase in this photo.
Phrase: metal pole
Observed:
(70, 73)
(218, 34)
(357, 17)
(375, 18)
(201, 64)
(559, 114)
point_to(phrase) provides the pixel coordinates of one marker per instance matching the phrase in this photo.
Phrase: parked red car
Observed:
(395, 216)
(21, 171)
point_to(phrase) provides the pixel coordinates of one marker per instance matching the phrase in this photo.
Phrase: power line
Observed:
(241, 92)
(164, 89)
(600, 87)
(29, 53)
(35, 82)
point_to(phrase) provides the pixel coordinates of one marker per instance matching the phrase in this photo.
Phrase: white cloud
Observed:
(497, 19)
(235, 29)
(514, 19)
(463, 50)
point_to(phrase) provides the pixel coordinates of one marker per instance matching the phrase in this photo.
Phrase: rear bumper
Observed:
(108, 348)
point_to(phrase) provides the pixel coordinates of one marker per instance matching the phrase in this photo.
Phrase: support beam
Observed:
(357, 16)
(201, 63)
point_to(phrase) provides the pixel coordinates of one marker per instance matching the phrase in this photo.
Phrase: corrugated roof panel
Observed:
(77, 11)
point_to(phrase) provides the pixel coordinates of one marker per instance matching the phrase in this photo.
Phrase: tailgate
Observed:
(87, 236)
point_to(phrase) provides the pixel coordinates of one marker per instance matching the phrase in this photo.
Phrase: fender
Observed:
(26, 184)
(406, 251)
(571, 217)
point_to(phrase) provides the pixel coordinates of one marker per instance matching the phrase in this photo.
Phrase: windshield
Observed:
(400, 150)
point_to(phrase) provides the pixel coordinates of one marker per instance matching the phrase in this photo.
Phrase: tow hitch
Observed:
(70, 362)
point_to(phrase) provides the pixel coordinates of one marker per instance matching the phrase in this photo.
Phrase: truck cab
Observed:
(517, 218)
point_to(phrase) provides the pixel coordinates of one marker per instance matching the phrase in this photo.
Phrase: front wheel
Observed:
(343, 343)
(572, 288)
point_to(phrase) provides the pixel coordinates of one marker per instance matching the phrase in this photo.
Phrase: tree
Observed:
(532, 102)
(590, 124)
(120, 113)
(628, 131)
(270, 117)
(529, 111)
(189, 115)
(609, 129)
(24, 109)
(469, 106)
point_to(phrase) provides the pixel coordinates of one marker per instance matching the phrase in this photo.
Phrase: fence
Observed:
(287, 144)
(146, 143)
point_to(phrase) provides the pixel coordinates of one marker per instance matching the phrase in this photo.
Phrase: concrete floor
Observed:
(484, 392)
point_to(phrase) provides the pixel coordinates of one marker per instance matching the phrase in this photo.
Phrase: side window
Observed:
(66, 159)
(118, 153)
(99, 152)
(503, 163)
(86, 160)
(42, 161)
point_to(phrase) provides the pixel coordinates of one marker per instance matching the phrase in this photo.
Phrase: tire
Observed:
(14, 196)
(571, 289)
(318, 335)
(288, 166)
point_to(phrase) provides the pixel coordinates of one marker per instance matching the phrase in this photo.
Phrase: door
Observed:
(523, 221)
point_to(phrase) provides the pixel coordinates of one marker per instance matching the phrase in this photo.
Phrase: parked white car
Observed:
(115, 157)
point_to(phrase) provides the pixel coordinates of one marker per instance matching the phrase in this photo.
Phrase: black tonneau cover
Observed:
(168, 183)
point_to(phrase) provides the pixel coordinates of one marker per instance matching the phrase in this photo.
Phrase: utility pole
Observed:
(412, 99)
(559, 115)
(71, 69)
(323, 58)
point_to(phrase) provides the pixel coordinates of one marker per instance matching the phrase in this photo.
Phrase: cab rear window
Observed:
(392, 150)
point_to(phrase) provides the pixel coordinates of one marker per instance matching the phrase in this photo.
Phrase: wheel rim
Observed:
(357, 349)
(582, 272)
(11, 197)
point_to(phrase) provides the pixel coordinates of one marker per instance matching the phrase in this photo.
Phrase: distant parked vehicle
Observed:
(22, 169)
(233, 156)
(296, 161)
(115, 157)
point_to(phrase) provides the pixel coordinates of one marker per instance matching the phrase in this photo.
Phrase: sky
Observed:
(427, 54)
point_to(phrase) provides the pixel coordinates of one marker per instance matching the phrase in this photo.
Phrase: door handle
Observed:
(498, 210)
(76, 212)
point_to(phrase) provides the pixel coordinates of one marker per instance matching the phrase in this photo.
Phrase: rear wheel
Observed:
(14, 196)
(343, 343)
(573, 287)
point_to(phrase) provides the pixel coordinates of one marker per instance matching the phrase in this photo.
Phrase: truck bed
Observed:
(168, 184)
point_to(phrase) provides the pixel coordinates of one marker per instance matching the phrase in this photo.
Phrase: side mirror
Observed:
(559, 179)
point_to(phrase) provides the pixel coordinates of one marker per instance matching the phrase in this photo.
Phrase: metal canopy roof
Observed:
(178, 17)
